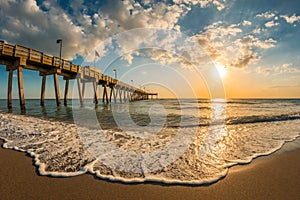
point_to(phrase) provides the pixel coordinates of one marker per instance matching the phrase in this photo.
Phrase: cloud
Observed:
(41, 29)
(230, 46)
(213, 37)
(286, 68)
(264, 44)
(262, 70)
(246, 23)
(252, 41)
(267, 15)
(257, 31)
(292, 19)
(83, 27)
(219, 4)
(81, 30)
(286, 65)
(247, 58)
(271, 24)
(284, 86)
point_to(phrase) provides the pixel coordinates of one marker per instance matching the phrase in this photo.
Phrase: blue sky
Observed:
(254, 43)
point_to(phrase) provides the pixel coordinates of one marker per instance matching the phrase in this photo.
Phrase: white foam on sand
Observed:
(59, 151)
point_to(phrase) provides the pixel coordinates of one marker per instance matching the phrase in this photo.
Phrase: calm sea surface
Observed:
(186, 141)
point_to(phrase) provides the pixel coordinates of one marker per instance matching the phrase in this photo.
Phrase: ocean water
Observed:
(181, 141)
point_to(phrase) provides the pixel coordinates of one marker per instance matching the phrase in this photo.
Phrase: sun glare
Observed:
(221, 70)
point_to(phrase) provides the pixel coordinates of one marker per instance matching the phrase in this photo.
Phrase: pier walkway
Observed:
(16, 57)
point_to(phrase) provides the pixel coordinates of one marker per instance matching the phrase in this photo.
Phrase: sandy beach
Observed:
(272, 177)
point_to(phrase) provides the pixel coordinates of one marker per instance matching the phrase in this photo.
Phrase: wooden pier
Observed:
(16, 57)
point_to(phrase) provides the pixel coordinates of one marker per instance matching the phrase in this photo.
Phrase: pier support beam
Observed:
(111, 93)
(43, 90)
(128, 95)
(80, 91)
(114, 93)
(83, 88)
(96, 93)
(57, 94)
(105, 96)
(21, 88)
(120, 94)
(99, 91)
(124, 94)
(9, 89)
(66, 92)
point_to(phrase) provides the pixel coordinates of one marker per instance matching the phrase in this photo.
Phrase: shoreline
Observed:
(275, 176)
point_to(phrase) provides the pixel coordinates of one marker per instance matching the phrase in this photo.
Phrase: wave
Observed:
(239, 120)
(261, 119)
(243, 102)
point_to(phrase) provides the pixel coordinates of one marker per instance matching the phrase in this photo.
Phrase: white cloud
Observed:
(219, 4)
(257, 31)
(286, 65)
(260, 31)
(263, 70)
(271, 24)
(81, 32)
(216, 30)
(286, 68)
(252, 41)
(267, 15)
(226, 45)
(292, 19)
(83, 28)
(40, 29)
(264, 44)
(246, 23)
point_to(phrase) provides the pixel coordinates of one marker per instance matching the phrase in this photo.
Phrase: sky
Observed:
(183, 48)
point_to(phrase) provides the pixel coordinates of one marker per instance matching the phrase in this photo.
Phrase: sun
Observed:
(221, 70)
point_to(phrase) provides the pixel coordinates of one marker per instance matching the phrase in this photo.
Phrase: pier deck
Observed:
(17, 57)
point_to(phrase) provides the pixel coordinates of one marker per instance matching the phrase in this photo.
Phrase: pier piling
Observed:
(43, 90)
(21, 87)
(66, 92)
(95, 93)
(80, 91)
(9, 89)
(56, 87)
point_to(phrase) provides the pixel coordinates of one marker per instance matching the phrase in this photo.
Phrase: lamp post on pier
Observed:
(115, 71)
(55, 76)
(59, 41)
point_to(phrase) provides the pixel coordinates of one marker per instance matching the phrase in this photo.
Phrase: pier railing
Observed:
(17, 57)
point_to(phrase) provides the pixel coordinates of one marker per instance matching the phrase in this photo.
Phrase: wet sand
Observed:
(272, 177)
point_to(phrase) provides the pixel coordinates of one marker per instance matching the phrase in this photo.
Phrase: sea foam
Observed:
(59, 150)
